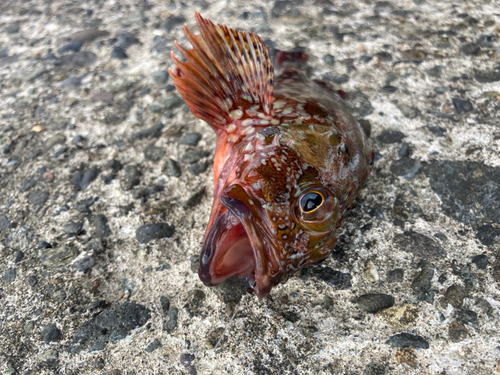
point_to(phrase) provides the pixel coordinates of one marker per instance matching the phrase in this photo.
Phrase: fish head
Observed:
(273, 214)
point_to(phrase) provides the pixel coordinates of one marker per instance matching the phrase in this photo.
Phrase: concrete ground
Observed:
(99, 153)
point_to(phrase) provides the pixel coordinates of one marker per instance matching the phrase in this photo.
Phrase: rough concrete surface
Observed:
(98, 153)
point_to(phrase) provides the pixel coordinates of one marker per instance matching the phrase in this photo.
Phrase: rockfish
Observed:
(289, 158)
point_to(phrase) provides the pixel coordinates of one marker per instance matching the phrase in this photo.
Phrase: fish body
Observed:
(289, 158)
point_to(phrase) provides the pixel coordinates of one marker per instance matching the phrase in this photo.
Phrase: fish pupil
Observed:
(311, 201)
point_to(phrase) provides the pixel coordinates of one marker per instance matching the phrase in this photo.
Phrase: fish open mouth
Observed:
(235, 245)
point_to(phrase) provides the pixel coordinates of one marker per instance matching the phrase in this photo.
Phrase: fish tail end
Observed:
(295, 58)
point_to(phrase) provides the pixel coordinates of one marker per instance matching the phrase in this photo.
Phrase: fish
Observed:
(289, 157)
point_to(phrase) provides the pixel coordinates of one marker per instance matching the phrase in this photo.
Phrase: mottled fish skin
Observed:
(273, 154)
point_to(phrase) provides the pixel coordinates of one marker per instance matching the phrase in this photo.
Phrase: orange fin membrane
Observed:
(227, 70)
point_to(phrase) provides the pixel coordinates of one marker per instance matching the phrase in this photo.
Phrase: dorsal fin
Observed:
(225, 71)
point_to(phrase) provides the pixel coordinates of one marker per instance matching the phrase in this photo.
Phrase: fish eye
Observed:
(311, 201)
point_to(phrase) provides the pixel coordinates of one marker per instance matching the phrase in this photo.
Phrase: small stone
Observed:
(111, 325)
(408, 111)
(487, 76)
(83, 264)
(198, 168)
(457, 332)
(154, 153)
(486, 40)
(88, 35)
(132, 177)
(407, 168)
(404, 150)
(338, 80)
(389, 89)
(194, 301)
(454, 296)
(470, 49)
(72, 82)
(462, 106)
(38, 197)
(57, 256)
(54, 140)
(329, 59)
(186, 359)
(147, 233)
(10, 275)
(335, 279)
(376, 212)
(152, 132)
(171, 323)
(487, 234)
(192, 157)
(70, 47)
(10, 371)
(418, 244)
(79, 59)
(95, 245)
(83, 178)
(481, 261)
(31, 281)
(13, 28)
(153, 345)
(374, 368)
(103, 96)
(390, 136)
(100, 223)
(484, 305)
(73, 228)
(383, 56)
(84, 206)
(118, 52)
(435, 72)
(50, 333)
(18, 256)
(165, 304)
(114, 165)
(160, 77)
(172, 22)
(172, 168)
(466, 316)
(190, 139)
(395, 276)
(374, 302)
(28, 184)
(407, 340)
(422, 280)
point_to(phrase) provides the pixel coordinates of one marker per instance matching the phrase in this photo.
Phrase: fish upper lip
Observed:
(239, 205)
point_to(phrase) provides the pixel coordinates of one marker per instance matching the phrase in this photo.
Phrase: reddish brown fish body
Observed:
(288, 164)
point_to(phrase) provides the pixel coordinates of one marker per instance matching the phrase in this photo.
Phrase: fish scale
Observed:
(281, 139)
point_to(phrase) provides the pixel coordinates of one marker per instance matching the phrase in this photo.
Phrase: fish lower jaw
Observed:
(228, 251)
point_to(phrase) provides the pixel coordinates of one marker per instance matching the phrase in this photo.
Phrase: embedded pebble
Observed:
(10, 275)
(171, 323)
(481, 261)
(150, 232)
(374, 302)
(83, 178)
(407, 340)
(111, 325)
(190, 139)
(172, 168)
(153, 345)
(73, 228)
(50, 333)
(461, 105)
(132, 177)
